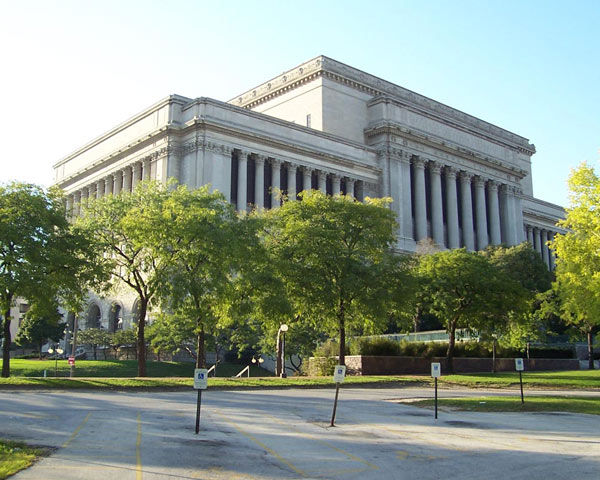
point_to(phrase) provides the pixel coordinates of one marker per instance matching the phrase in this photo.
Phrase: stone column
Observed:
(291, 175)
(117, 182)
(68, 206)
(350, 186)
(360, 190)
(518, 209)
(537, 240)
(551, 256)
(242, 186)
(85, 193)
(275, 183)
(494, 209)
(480, 214)
(335, 184)
(127, 180)
(452, 208)
(322, 181)
(545, 249)
(77, 203)
(419, 199)
(437, 218)
(146, 169)
(530, 235)
(99, 188)
(108, 185)
(307, 179)
(259, 181)
(137, 174)
(507, 215)
(467, 210)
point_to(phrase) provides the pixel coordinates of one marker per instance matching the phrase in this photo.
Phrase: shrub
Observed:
(379, 346)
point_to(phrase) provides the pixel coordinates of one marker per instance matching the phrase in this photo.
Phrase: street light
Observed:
(282, 329)
(57, 351)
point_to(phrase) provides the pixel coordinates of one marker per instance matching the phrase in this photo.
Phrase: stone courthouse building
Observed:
(456, 179)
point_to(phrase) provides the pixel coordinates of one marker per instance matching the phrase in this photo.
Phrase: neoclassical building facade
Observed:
(453, 178)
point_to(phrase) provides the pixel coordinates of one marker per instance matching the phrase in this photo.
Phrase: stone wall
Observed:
(382, 365)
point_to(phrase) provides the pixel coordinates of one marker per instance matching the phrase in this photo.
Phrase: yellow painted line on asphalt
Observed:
(138, 449)
(77, 430)
(327, 444)
(287, 463)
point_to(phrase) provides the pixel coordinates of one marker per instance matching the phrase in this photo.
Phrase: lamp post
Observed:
(57, 351)
(257, 361)
(282, 329)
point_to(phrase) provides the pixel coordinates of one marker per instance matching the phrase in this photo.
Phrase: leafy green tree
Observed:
(203, 240)
(332, 255)
(519, 324)
(124, 338)
(42, 256)
(578, 255)
(96, 337)
(41, 323)
(123, 227)
(465, 291)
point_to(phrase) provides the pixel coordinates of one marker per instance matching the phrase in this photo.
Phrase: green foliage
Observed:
(465, 290)
(42, 257)
(332, 255)
(379, 346)
(126, 230)
(96, 337)
(42, 323)
(578, 255)
(16, 456)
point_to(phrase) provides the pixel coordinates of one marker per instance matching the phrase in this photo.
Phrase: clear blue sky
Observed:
(73, 69)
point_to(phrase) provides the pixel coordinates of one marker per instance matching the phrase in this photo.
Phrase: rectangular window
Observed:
(23, 307)
(308, 120)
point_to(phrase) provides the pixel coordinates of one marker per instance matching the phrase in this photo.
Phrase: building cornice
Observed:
(390, 128)
(171, 99)
(375, 86)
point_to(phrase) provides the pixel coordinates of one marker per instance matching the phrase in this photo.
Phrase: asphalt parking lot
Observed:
(285, 434)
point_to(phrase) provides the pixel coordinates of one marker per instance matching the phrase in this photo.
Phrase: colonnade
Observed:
(539, 238)
(258, 180)
(124, 179)
(457, 208)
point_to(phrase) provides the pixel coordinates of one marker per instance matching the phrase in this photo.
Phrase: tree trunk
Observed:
(590, 340)
(200, 354)
(95, 347)
(141, 340)
(494, 355)
(451, 342)
(7, 340)
(528, 347)
(40, 345)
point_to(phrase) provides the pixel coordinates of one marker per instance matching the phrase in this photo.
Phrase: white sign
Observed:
(339, 373)
(519, 364)
(436, 370)
(200, 378)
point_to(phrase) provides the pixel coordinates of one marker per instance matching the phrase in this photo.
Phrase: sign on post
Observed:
(71, 360)
(339, 373)
(519, 364)
(200, 378)
(436, 370)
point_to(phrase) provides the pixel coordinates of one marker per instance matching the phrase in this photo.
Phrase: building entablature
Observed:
(441, 148)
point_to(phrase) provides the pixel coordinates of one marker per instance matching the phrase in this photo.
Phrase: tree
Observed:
(578, 256)
(41, 324)
(125, 338)
(41, 256)
(96, 337)
(123, 228)
(200, 237)
(465, 291)
(520, 324)
(332, 255)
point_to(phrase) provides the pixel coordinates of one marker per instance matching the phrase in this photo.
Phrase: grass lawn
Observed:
(513, 404)
(564, 379)
(120, 368)
(15, 456)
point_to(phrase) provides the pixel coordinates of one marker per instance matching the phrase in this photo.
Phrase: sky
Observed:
(71, 70)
